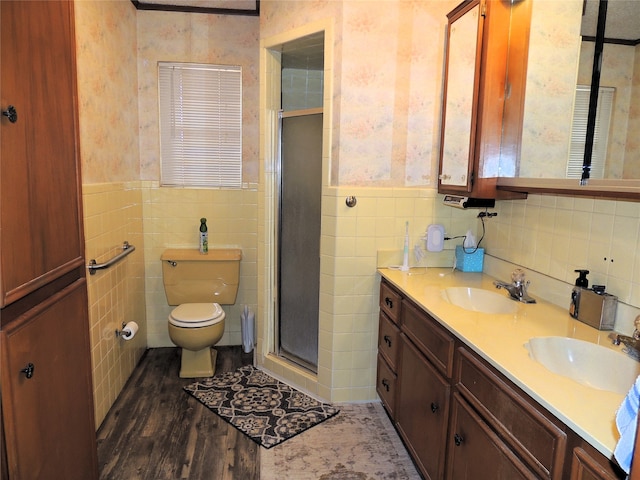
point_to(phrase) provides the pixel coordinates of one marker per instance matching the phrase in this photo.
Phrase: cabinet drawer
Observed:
(390, 302)
(432, 339)
(536, 438)
(386, 385)
(388, 337)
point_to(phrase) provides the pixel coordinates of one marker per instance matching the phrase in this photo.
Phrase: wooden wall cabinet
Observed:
(41, 204)
(462, 419)
(477, 84)
(48, 428)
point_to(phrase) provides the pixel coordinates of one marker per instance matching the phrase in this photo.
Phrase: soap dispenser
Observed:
(581, 282)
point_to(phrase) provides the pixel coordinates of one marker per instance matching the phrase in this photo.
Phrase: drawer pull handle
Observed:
(387, 340)
(389, 302)
(385, 384)
(434, 407)
(458, 439)
(28, 370)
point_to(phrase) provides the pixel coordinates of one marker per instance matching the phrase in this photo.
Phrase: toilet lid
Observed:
(193, 315)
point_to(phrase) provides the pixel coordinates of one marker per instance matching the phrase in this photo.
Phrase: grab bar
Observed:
(126, 250)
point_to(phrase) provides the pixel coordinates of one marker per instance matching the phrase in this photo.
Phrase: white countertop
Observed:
(500, 340)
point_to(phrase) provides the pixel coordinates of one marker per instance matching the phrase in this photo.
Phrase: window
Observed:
(200, 125)
(579, 131)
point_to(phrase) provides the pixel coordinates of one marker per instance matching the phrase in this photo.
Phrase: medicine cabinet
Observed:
(477, 81)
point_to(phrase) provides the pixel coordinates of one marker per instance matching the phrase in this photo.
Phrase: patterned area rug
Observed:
(263, 408)
(358, 444)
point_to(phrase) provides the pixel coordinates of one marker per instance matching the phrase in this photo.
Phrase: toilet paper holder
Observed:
(128, 330)
(119, 333)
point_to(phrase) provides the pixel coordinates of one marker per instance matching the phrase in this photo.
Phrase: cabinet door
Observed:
(591, 465)
(40, 202)
(422, 409)
(475, 451)
(46, 390)
(463, 54)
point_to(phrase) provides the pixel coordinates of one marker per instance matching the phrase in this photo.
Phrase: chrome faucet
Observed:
(517, 288)
(632, 343)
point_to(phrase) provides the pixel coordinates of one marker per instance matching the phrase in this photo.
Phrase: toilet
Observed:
(198, 284)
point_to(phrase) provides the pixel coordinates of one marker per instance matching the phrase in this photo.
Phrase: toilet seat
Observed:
(194, 315)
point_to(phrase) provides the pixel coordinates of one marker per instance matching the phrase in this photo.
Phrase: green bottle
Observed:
(204, 237)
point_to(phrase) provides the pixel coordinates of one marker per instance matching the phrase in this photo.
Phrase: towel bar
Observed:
(126, 250)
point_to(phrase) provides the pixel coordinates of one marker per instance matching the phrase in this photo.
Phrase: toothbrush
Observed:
(405, 262)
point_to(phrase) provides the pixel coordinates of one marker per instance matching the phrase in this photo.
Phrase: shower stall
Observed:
(299, 198)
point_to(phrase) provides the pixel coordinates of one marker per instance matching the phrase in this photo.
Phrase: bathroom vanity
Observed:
(465, 397)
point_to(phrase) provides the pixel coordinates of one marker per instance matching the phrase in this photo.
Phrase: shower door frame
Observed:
(270, 93)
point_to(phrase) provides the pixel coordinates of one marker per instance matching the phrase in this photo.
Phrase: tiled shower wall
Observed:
(113, 214)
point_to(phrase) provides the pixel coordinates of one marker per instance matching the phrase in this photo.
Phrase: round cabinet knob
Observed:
(11, 114)
(458, 439)
(28, 370)
(434, 407)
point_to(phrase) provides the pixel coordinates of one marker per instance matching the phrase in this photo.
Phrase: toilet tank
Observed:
(190, 277)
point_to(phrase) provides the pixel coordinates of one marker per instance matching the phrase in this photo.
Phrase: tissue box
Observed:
(469, 262)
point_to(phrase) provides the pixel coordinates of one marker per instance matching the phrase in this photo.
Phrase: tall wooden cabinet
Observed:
(48, 428)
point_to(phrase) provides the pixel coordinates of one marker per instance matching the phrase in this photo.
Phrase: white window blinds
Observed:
(200, 125)
(579, 131)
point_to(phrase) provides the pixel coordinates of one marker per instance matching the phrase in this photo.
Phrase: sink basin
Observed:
(587, 363)
(479, 300)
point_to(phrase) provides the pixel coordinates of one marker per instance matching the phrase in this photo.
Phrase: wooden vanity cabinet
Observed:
(460, 418)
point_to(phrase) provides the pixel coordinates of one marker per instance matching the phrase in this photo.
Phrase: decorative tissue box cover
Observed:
(469, 262)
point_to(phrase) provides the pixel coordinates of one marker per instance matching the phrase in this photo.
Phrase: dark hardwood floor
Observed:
(157, 431)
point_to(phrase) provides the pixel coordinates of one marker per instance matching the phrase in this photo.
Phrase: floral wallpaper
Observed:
(198, 38)
(108, 90)
(387, 90)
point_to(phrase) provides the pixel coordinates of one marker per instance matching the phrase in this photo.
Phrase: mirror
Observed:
(461, 90)
(561, 56)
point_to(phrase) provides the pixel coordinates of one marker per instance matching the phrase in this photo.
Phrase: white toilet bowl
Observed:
(196, 328)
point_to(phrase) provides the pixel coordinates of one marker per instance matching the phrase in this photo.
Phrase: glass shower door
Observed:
(299, 238)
